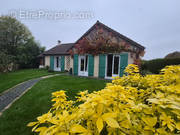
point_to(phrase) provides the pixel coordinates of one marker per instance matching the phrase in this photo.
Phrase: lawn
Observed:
(8, 80)
(38, 101)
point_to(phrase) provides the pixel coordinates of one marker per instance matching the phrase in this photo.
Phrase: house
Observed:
(57, 58)
(100, 52)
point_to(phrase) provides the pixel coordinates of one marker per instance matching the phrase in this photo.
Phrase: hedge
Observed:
(155, 65)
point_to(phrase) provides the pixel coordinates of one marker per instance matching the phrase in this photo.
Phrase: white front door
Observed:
(57, 63)
(83, 65)
(112, 66)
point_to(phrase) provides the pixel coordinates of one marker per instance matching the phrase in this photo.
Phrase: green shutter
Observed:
(102, 65)
(62, 63)
(52, 62)
(90, 65)
(75, 64)
(123, 63)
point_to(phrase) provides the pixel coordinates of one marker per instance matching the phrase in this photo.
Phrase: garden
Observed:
(132, 104)
(69, 105)
(37, 100)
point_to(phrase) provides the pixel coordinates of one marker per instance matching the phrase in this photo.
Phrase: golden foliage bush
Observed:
(130, 105)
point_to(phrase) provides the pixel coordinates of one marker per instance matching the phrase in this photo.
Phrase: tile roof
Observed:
(61, 49)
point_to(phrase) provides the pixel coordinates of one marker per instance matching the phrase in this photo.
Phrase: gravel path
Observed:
(11, 95)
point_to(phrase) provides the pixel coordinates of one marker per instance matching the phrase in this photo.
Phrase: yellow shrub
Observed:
(130, 105)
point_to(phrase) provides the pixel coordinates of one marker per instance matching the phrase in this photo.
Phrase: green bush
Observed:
(155, 65)
(47, 67)
(145, 72)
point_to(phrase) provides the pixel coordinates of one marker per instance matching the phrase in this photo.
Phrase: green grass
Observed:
(38, 101)
(8, 80)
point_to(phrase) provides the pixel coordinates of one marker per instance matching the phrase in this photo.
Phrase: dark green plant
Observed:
(70, 71)
(47, 67)
(155, 65)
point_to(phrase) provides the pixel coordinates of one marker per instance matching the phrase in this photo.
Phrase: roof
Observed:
(114, 32)
(61, 49)
(40, 55)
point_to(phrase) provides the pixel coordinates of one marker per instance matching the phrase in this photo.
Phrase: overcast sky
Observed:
(154, 24)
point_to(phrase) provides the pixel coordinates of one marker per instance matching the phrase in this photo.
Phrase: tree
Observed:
(5, 62)
(175, 54)
(12, 34)
(27, 54)
(17, 43)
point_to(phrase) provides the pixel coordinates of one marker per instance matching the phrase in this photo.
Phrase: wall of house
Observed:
(47, 60)
(130, 59)
(96, 65)
(67, 62)
(114, 38)
(71, 62)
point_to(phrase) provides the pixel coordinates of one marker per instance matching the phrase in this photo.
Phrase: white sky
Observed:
(154, 24)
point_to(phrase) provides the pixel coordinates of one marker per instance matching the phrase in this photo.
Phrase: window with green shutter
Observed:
(62, 63)
(90, 65)
(75, 64)
(123, 63)
(102, 65)
(52, 62)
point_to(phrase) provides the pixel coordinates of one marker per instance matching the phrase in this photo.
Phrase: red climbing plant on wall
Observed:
(101, 41)
(100, 46)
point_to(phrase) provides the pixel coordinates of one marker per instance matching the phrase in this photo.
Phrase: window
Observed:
(57, 62)
(116, 64)
(109, 65)
(82, 64)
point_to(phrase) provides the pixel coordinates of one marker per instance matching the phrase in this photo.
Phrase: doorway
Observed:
(83, 65)
(57, 63)
(112, 66)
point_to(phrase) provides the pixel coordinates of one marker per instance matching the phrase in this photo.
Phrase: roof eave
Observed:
(56, 54)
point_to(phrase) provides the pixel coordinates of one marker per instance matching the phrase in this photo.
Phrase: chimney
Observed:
(59, 42)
